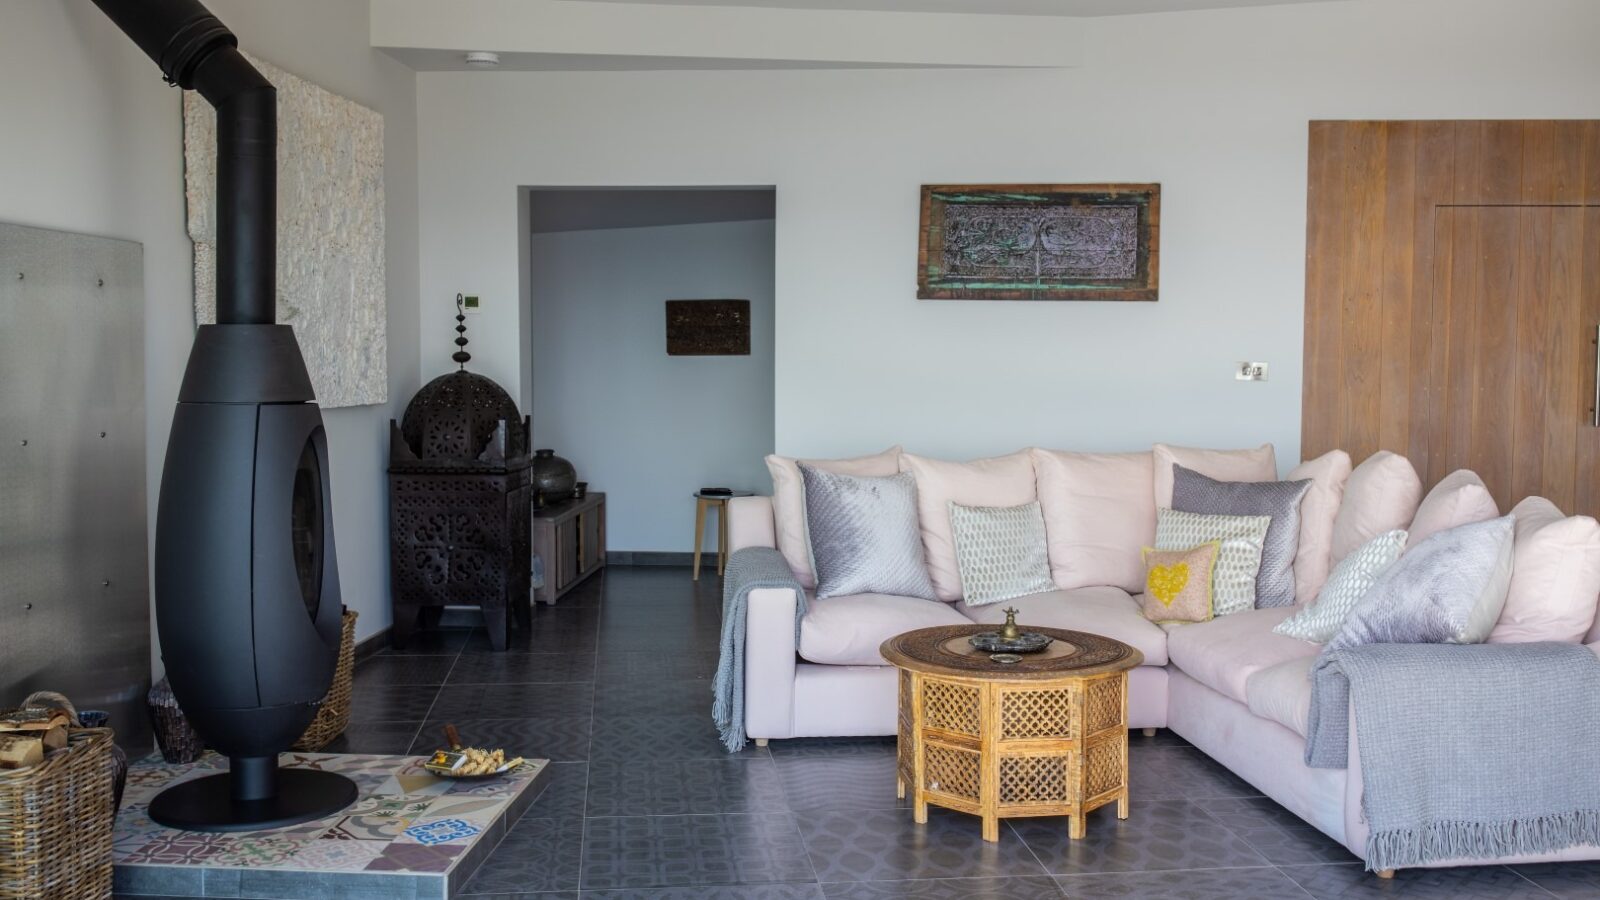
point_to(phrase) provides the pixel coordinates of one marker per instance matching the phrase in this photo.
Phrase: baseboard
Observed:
(658, 558)
(372, 645)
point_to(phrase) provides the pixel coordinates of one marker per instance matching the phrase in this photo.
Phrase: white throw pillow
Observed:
(1449, 589)
(1098, 515)
(1313, 559)
(1350, 581)
(1259, 464)
(1381, 495)
(1000, 552)
(1233, 577)
(1555, 578)
(789, 501)
(1001, 481)
(1460, 498)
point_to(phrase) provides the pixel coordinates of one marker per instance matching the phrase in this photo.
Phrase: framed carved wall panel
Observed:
(1453, 300)
(1039, 242)
(708, 327)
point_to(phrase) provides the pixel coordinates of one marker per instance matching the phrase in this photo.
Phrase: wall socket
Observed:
(1250, 371)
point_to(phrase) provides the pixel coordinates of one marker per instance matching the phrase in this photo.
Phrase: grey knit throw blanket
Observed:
(747, 570)
(1467, 751)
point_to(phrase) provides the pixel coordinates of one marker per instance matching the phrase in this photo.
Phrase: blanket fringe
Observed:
(1437, 841)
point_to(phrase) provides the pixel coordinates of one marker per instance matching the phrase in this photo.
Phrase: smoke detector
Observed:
(483, 59)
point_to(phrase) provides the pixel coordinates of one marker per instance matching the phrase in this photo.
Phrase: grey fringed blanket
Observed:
(1467, 752)
(747, 570)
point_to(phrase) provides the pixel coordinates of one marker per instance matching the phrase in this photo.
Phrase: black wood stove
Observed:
(247, 586)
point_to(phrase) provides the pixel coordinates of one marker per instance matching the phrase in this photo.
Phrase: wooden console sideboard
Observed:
(570, 538)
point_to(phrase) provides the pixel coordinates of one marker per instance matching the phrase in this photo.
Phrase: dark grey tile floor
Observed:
(613, 684)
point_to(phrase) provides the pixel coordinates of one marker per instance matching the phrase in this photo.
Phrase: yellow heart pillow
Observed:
(1177, 583)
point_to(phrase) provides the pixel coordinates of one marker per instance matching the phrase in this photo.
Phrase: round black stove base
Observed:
(207, 804)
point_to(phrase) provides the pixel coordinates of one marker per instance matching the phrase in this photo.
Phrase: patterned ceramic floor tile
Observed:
(1037, 887)
(1564, 879)
(712, 892)
(664, 665)
(391, 702)
(659, 737)
(556, 739)
(514, 701)
(832, 746)
(683, 696)
(1202, 884)
(661, 851)
(564, 788)
(405, 669)
(1157, 835)
(676, 787)
(522, 668)
(1353, 882)
(886, 845)
(536, 855)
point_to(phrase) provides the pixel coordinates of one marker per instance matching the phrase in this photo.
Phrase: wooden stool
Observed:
(719, 502)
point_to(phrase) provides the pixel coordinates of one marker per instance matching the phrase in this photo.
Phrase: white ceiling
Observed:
(996, 7)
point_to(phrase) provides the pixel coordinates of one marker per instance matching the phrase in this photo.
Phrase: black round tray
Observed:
(1027, 642)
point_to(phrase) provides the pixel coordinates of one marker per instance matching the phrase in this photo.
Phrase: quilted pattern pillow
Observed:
(1194, 492)
(1000, 551)
(1233, 579)
(1351, 579)
(1449, 589)
(864, 535)
(1177, 583)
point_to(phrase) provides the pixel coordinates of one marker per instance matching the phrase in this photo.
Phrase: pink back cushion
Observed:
(789, 501)
(1259, 464)
(1381, 495)
(1000, 481)
(1555, 576)
(1460, 498)
(1099, 512)
(1314, 559)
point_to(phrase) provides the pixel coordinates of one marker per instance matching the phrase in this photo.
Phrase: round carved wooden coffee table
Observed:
(1046, 736)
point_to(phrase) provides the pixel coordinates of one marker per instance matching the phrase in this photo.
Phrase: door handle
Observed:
(1594, 411)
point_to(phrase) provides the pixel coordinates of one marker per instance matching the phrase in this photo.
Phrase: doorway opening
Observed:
(648, 410)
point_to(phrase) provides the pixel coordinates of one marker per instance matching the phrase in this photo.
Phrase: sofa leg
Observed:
(1386, 873)
(1149, 732)
(761, 742)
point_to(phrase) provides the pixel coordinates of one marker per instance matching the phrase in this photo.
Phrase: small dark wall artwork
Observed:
(1039, 242)
(708, 327)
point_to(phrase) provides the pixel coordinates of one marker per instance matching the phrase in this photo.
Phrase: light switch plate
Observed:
(1250, 371)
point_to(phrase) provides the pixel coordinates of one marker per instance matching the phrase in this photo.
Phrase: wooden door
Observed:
(1452, 300)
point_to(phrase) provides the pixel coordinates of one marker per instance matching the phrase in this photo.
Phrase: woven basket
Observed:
(334, 714)
(55, 822)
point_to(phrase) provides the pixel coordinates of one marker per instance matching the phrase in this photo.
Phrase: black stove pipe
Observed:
(196, 51)
(246, 577)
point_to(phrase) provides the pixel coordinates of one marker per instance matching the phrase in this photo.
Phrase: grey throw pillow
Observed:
(1193, 492)
(1449, 589)
(864, 534)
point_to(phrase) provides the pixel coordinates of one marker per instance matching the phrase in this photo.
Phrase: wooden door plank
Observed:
(1395, 297)
(1501, 166)
(1493, 365)
(1362, 318)
(1434, 179)
(1461, 340)
(1469, 163)
(1591, 164)
(1567, 340)
(1321, 391)
(1531, 352)
(1586, 478)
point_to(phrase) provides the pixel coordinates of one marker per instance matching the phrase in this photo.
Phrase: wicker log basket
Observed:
(55, 822)
(334, 714)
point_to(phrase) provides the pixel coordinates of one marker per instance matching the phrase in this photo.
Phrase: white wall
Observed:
(647, 428)
(1213, 105)
(91, 141)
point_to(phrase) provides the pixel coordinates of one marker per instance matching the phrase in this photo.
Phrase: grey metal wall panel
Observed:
(74, 585)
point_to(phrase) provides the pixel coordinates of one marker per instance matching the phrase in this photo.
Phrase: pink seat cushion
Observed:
(847, 631)
(1282, 693)
(1106, 611)
(1223, 653)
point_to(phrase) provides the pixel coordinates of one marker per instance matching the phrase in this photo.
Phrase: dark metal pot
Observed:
(553, 477)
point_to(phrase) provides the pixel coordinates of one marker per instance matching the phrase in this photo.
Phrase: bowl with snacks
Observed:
(467, 762)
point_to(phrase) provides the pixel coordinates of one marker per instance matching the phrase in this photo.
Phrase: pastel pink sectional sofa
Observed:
(1230, 686)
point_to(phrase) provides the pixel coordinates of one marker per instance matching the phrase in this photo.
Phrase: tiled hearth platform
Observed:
(409, 836)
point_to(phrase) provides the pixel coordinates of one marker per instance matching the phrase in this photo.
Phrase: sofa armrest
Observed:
(769, 661)
(750, 523)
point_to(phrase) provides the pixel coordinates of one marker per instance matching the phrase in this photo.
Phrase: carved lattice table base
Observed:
(1045, 737)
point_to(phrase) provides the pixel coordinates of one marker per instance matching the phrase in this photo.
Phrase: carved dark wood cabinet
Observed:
(459, 506)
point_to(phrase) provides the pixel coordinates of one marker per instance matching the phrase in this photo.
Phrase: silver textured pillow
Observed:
(1449, 589)
(1193, 492)
(1350, 581)
(864, 534)
(1001, 552)
(1233, 577)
